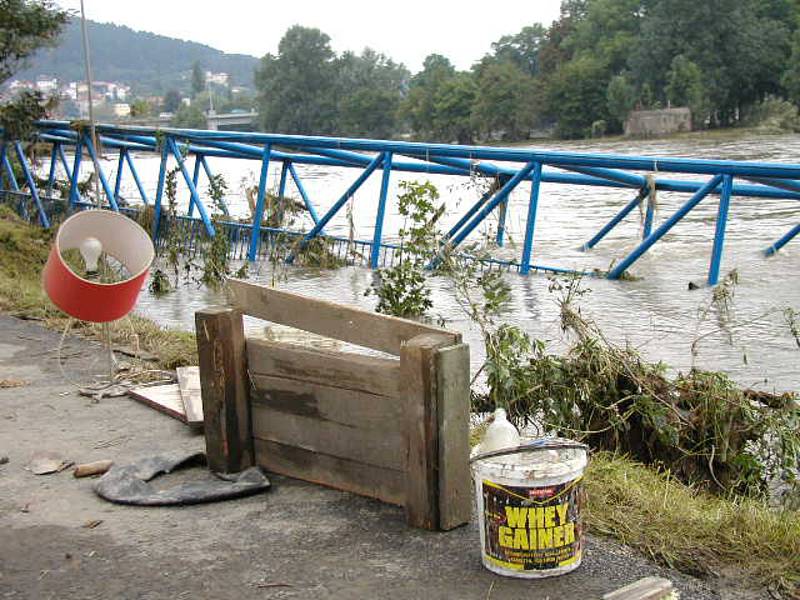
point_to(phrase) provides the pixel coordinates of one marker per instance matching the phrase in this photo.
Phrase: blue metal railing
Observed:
(509, 168)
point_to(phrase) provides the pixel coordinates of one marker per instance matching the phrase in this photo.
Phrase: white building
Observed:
(217, 78)
(122, 109)
(47, 85)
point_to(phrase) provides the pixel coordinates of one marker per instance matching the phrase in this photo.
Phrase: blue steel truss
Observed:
(508, 168)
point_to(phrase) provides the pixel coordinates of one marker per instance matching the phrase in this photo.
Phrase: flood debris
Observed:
(12, 383)
(45, 463)
(189, 384)
(163, 398)
(97, 467)
(648, 588)
(131, 484)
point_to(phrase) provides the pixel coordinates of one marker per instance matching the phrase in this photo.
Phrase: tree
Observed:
(26, 26)
(198, 79)
(577, 96)
(504, 100)
(621, 97)
(453, 109)
(419, 107)
(189, 117)
(685, 88)
(297, 88)
(140, 108)
(172, 101)
(369, 90)
(740, 50)
(522, 49)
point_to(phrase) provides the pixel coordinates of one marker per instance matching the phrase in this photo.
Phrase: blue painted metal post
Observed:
(303, 195)
(51, 178)
(95, 161)
(45, 222)
(282, 184)
(616, 220)
(704, 191)
(719, 235)
(162, 174)
(523, 173)
(210, 176)
(198, 161)
(381, 213)
(530, 225)
(258, 216)
(135, 174)
(120, 168)
(192, 189)
(649, 214)
(74, 194)
(791, 234)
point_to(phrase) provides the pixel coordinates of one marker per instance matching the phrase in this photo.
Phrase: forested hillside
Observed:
(149, 62)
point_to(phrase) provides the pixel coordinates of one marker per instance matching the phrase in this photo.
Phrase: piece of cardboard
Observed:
(189, 383)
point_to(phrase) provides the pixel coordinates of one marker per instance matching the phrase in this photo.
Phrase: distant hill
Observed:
(146, 61)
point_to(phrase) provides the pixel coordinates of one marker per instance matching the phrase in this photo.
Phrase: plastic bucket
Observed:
(529, 502)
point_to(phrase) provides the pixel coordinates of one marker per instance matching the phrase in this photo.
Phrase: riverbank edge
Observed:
(647, 510)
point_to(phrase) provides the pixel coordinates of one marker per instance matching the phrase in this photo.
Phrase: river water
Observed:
(656, 313)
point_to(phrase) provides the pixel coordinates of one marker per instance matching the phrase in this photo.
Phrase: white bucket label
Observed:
(533, 528)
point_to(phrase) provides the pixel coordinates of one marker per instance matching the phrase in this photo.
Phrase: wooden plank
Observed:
(349, 371)
(648, 588)
(455, 485)
(353, 325)
(351, 476)
(226, 402)
(418, 374)
(189, 383)
(164, 398)
(349, 408)
(378, 446)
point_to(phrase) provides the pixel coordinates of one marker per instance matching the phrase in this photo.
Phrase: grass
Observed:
(667, 520)
(23, 253)
(690, 530)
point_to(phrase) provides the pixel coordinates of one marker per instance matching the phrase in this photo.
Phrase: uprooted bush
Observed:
(699, 425)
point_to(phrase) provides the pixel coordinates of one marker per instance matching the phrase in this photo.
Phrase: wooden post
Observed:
(225, 390)
(453, 400)
(419, 384)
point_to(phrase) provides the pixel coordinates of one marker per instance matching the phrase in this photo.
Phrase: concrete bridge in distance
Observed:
(235, 121)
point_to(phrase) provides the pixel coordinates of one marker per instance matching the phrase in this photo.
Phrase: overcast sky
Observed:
(406, 31)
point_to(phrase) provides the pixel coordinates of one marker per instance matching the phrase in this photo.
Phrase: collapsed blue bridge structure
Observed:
(507, 167)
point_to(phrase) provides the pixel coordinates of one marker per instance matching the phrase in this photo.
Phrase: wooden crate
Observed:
(393, 428)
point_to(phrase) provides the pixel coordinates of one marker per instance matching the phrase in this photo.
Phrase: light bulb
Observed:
(90, 250)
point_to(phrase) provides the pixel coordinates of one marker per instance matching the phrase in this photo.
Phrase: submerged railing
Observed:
(508, 167)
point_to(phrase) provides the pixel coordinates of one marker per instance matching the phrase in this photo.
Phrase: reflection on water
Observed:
(657, 314)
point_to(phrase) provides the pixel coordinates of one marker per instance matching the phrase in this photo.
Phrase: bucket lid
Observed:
(536, 455)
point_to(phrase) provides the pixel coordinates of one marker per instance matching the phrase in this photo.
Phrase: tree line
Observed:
(579, 77)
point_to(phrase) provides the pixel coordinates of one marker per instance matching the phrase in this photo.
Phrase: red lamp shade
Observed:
(92, 301)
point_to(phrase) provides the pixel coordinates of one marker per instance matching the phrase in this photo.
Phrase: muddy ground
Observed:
(295, 541)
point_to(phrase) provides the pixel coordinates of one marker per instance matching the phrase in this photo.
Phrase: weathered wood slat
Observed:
(223, 383)
(455, 486)
(351, 476)
(324, 403)
(336, 369)
(345, 323)
(378, 446)
(418, 375)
